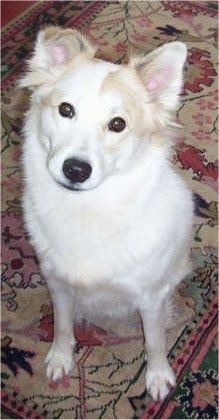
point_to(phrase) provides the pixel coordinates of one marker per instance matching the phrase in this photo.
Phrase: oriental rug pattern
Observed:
(108, 379)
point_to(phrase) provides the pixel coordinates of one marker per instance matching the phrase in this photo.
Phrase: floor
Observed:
(11, 9)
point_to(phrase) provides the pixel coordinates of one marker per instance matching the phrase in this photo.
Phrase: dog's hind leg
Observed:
(159, 376)
(59, 359)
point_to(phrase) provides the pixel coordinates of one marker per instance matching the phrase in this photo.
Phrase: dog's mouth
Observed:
(71, 187)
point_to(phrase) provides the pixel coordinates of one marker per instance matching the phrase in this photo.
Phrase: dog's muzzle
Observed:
(76, 171)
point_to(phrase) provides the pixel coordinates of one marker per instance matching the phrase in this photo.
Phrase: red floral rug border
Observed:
(189, 355)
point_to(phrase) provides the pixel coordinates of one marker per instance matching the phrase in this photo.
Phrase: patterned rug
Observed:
(108, 379)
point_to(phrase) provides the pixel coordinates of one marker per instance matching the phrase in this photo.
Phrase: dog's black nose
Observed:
(76, 170)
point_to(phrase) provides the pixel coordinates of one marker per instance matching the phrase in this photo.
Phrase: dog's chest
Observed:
(89, 244)
(95, 239)
(92, 245)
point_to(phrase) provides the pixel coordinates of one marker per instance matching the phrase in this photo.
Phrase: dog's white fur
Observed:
(121, 241)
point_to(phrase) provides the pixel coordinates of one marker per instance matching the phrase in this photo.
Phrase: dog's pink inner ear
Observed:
(59, 54)
(158, 80)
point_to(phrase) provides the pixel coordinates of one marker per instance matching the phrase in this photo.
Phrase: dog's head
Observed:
(95, 119)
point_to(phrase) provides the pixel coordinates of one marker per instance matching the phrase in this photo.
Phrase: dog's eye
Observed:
(117, 124)
(66, 110)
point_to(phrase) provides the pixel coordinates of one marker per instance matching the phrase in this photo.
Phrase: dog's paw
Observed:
(59, 362)
(158, 383)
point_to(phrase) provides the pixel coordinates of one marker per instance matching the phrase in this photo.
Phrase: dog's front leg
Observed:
(59, 359)
(159, 376)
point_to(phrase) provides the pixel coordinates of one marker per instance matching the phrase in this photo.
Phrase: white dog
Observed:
(109, 218)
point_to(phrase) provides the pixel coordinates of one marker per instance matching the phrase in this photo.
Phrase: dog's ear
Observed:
(54, 48)
(162, 73)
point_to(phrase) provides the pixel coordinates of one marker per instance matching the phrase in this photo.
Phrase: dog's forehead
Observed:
(88, 77)
(94, 87)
